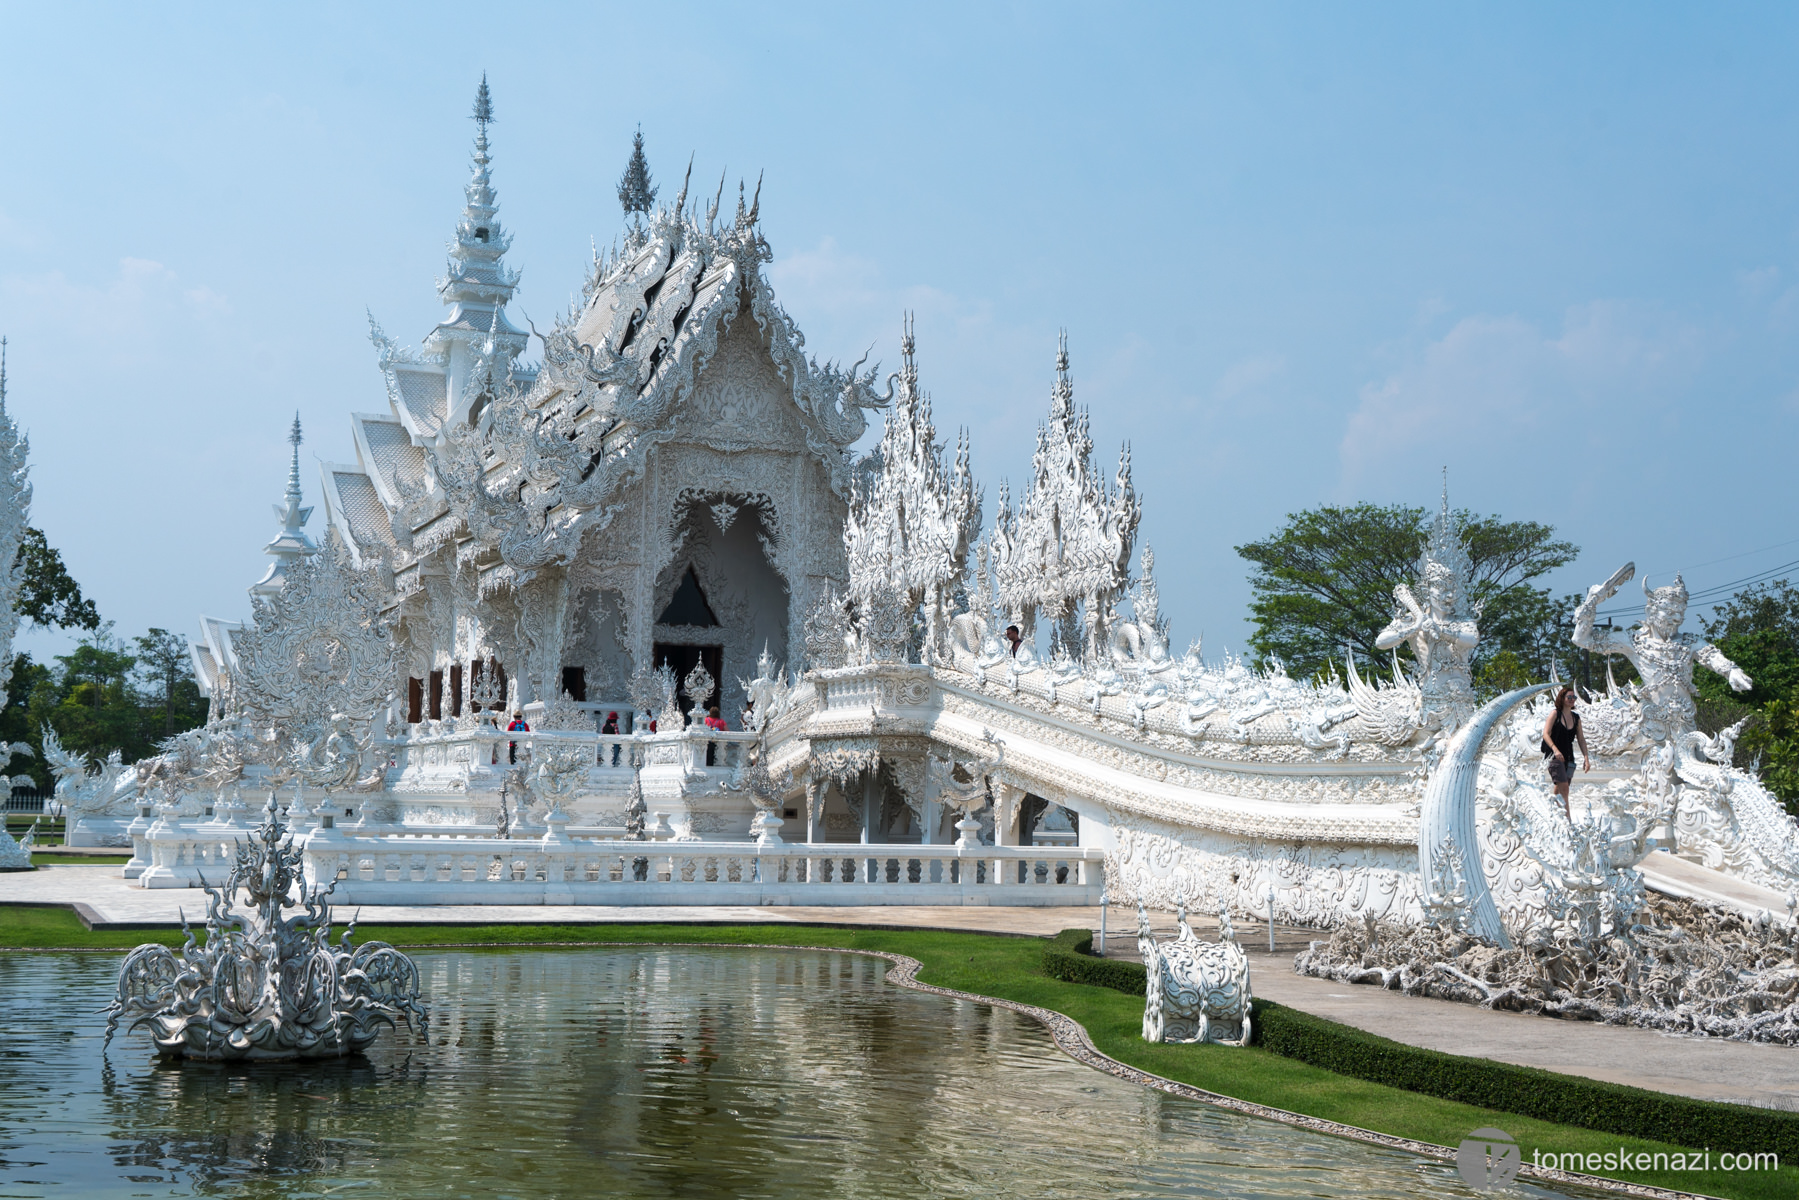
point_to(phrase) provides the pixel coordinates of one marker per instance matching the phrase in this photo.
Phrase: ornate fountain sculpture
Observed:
(1197, 991)
(264, 986)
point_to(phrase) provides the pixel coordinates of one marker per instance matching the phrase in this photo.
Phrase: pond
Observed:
(641, 1072)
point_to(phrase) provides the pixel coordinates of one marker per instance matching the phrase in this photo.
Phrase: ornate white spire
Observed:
(15, 515)
(478, 285)
(912, 519)
(477, 279)
(291, 544)
(1069, 542)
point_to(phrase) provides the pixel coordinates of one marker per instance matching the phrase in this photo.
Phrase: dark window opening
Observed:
(456, 690)
(415, 701)
(688, 606)
(481, 234)
(437, 695)
(574, 682)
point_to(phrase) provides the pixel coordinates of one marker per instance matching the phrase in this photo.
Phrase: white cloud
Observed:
(143, 298)
(1500, 385)
(1248, 375)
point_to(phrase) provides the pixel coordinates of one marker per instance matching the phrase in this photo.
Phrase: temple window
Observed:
(437, 695)
(688, 606)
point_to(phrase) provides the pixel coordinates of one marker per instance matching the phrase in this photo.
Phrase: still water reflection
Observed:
(640, 1072)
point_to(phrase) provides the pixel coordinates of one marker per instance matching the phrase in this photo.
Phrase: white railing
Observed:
(454, 870)
(701, 747)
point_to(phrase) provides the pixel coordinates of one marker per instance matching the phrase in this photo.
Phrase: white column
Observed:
(1007, 800)
(930, 808)
(871, 799)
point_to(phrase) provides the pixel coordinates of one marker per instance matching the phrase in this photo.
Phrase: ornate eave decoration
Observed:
(548, 462)
(1070, 541)
(319, 646)
(911, 518)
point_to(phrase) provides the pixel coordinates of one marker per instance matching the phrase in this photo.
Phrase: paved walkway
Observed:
(1743, 1072)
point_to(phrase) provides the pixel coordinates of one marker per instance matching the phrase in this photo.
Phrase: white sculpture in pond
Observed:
(1197, 991)
(266, 986)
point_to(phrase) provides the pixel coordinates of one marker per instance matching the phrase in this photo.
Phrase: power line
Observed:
(1732, 557)
(1713, 592)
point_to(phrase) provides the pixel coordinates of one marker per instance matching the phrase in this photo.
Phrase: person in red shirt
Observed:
(610, 729)
(518, 726)
(716, 722)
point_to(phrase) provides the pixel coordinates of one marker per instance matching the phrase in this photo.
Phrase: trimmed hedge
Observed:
(1069, 957)
(1482, 1082)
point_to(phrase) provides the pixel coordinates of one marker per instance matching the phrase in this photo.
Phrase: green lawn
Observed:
(77, 860)
(1009, 967)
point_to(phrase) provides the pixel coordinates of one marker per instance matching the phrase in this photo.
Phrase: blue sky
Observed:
(1304, 254)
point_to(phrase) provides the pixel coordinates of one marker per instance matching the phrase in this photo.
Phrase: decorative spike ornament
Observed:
(636, 194)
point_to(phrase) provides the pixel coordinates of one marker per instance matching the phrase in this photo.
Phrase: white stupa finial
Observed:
(291, 544)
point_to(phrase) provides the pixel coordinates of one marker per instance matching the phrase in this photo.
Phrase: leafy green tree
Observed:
(164, 665)
(49, 596)
(1325, 580)
(1758, 629)
(1501, 673)
(16, 723)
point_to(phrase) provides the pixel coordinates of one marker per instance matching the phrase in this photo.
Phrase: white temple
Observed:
(667, 515)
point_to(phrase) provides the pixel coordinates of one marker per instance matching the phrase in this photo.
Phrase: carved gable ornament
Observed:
(320, 645)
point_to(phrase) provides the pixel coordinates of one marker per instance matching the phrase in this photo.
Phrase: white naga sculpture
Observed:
(1196, 991)
(265, 986)
(81, 790)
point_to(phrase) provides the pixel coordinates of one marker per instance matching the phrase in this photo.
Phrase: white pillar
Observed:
(871, 799)
(1007, 800)
(930, 809)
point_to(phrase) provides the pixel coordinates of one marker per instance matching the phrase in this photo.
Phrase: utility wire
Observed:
(1713, 592)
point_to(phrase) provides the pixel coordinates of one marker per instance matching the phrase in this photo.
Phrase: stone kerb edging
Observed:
(1070, 1037)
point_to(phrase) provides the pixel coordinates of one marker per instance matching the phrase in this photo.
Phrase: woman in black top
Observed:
(1560, 732)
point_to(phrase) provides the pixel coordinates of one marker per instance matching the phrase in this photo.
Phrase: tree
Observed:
(635, 191)
(98, 668)
(1758, 629)
(49, 595)
(162, 659)
(1325, 580)
(16, 719)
